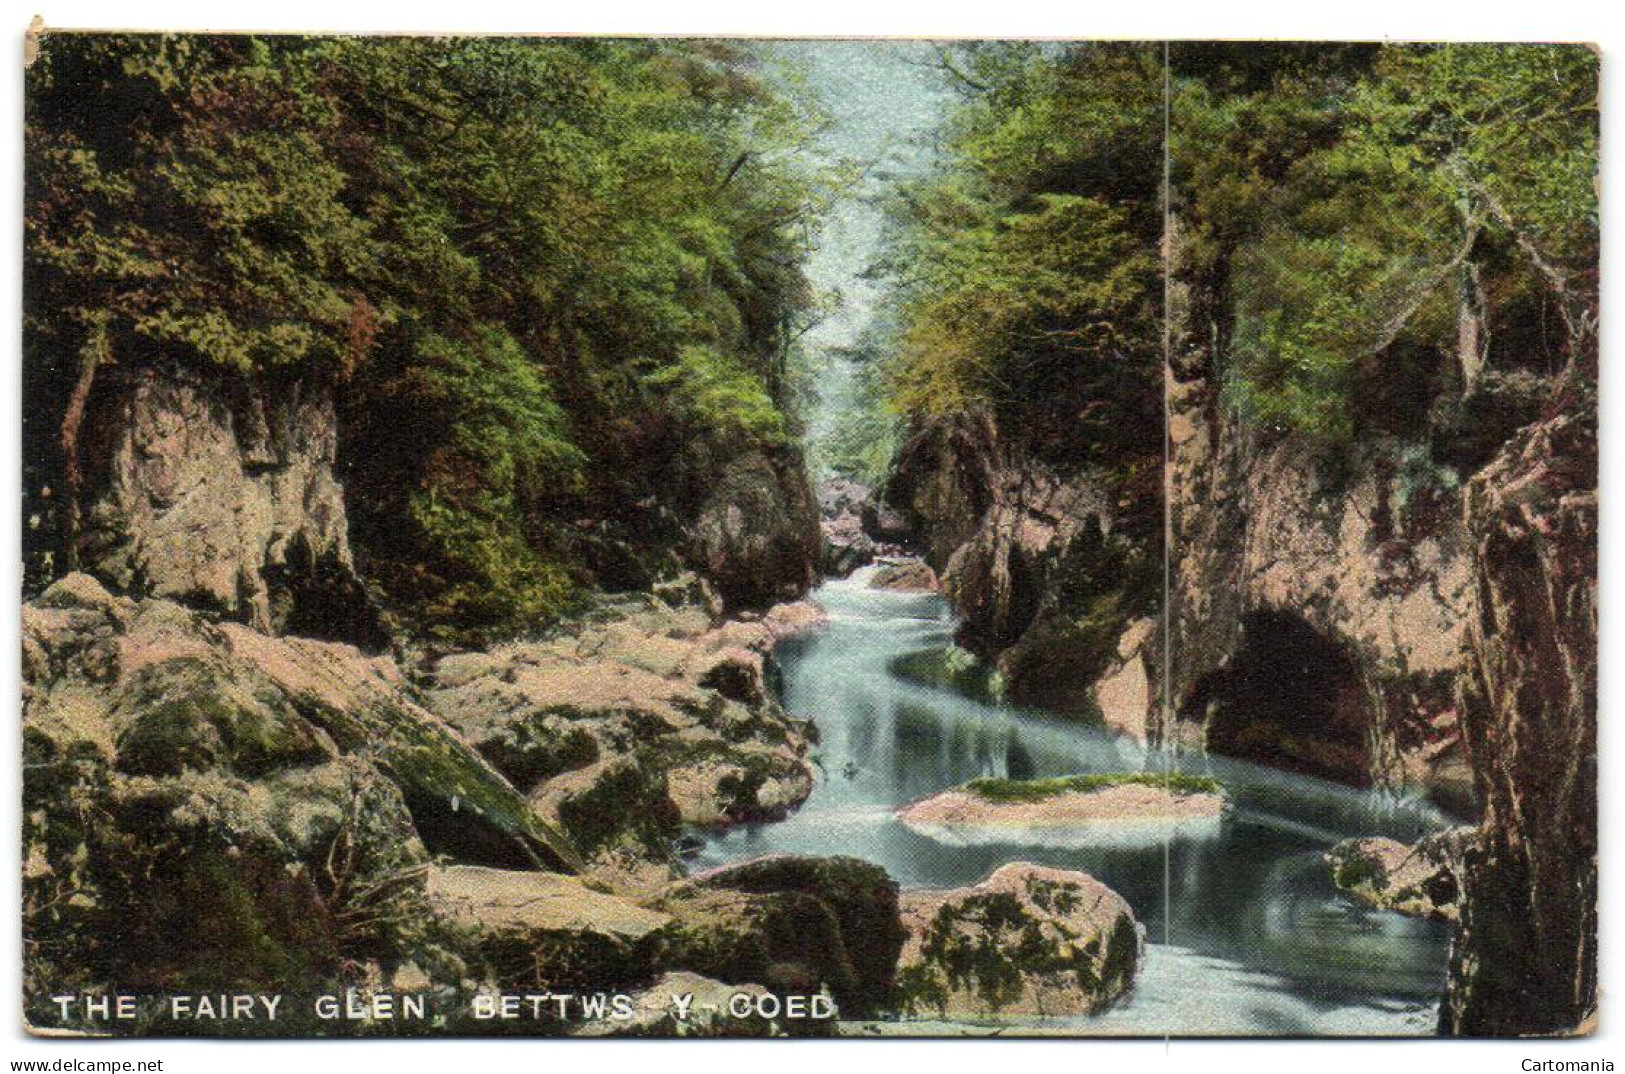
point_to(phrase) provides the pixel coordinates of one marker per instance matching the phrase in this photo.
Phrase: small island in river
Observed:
(1126, 807)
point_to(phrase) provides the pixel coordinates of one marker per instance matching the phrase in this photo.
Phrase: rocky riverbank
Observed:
(512, 818)
(240, 774)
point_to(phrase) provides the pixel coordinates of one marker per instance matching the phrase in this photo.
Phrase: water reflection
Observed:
(1247, 934)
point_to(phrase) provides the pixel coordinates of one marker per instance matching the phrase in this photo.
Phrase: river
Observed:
(1245, 933)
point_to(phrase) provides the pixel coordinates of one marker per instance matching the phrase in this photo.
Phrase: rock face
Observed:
(1027, 941)
(1385, 874)
(1319, 617)
(756, 533)
(649, 718)
(1045, 572)
(1525, 960)
(222, 495)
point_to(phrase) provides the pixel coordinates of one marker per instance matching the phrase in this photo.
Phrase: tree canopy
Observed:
(542, 273)
(1371, 229)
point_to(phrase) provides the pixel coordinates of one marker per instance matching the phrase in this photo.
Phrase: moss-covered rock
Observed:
(1421, 880)
(794, 924)
(1028, 940)
(644, 715)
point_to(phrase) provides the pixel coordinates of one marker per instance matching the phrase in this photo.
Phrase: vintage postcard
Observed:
(697, 537)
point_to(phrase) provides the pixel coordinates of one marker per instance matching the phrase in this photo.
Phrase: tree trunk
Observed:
(1472, 331)
(95, 352)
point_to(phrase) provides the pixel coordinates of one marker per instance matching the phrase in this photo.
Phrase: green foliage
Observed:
(538, 269)
(1367, 229)
(1037, 790)
(714, 392)
(1027, 264)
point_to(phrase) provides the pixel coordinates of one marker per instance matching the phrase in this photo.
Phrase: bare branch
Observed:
(945, 60)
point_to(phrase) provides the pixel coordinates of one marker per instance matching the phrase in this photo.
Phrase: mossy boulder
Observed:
(1419, 880)
(755, 535)
(1027, 941)
(537, 929)
(794, 924)
(952, 669)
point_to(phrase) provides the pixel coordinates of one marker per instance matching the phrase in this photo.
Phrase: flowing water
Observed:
(1245, 933)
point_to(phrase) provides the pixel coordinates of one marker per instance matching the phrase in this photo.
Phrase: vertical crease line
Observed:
(1167, 510)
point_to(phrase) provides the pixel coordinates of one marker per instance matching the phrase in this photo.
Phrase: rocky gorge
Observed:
(451, 822)
(484, 544)
(1355, 623)
(515, 815)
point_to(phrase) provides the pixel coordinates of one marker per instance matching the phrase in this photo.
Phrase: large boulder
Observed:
(1045, 559)
(1027, 941)
(904, 574)
(1319, 611)
(796, 925)
(1117, 808)
(846, 546)
(536, 929)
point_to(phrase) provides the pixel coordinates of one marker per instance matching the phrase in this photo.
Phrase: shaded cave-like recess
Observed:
(1288, 697)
